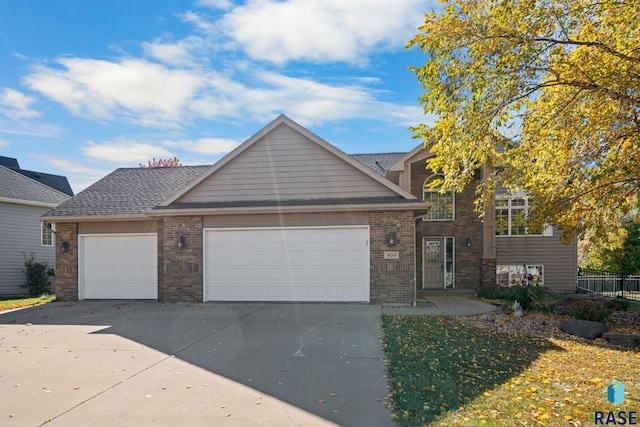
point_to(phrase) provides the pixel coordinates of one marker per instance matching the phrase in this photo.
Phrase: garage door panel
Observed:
(288, 264)
(119, 267)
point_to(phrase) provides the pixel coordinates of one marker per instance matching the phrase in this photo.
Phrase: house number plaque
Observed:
(391, 255)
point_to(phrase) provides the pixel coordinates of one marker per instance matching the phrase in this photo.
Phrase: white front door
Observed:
(287, 264)
(121, 266)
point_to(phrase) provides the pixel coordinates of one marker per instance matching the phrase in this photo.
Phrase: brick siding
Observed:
(67, 262)
(465, 225)
(391, 280)
(182, 268)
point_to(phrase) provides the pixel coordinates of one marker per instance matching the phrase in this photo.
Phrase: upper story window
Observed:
(441, 202)
(511, 217)
(46, 234)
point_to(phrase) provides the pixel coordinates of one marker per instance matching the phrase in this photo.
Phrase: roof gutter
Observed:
(286, 209)
(94, 218)
(28, 202)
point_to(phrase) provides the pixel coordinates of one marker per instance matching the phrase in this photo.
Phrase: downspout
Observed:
(415, 260)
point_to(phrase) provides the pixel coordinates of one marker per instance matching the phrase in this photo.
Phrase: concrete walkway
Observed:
(450, 305)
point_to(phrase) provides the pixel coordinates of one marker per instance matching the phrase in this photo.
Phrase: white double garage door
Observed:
(240, 264)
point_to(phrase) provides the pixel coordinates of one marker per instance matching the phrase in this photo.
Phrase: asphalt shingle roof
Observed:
(128, 191)
(57, 182)
(377, 162)
(16, 186)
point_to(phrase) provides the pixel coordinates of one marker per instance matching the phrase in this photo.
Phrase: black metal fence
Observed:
(609, 284)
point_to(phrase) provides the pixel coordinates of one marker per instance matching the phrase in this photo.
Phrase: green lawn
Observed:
(16, 302)
(446, 373)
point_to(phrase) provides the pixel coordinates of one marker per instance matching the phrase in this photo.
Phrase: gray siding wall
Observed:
(284, 165)
(559, 260)
(287, 220)
(20, 236)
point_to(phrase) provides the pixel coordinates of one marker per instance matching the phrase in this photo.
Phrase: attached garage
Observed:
(118, 266)
(287, 264)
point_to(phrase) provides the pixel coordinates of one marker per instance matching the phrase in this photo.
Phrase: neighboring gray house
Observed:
(23, 201)
(286, 216)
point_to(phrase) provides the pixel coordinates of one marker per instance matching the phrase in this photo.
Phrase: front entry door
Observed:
(433, 264)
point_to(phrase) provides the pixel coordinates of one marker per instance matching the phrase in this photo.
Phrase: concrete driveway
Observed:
(139, 363)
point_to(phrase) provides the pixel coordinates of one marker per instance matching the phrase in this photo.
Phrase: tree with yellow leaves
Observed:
(546, 93)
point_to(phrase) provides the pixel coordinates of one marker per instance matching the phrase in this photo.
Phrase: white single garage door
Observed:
(120, 266)
(287, 264)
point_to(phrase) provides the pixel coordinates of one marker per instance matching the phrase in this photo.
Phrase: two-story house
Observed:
(24, 196)
(287, 216)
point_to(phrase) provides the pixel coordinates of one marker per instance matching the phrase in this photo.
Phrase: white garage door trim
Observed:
(292, 264)
(131, 272)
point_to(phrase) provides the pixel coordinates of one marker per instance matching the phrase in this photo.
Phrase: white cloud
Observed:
(320, 31)
(307, 101)
(16, 105)
(180, 53)
(124, 152)
(4, 143)
(143, 91)
(205, 146)
(40, 130)
(216, 4)
(200, 22)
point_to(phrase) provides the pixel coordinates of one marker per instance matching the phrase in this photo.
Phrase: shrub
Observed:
(595, 309)
(529, 297)
(37, 276)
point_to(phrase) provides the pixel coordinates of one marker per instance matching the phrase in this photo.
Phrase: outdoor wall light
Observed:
(64, 246)
(468, 242)
(182, 243)
(392, 239)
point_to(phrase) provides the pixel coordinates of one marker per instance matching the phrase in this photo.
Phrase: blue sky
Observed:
(90, 86)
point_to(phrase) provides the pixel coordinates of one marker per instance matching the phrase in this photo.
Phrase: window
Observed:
(46, 234)
(511, 217)
(514, 275)
(441, 203)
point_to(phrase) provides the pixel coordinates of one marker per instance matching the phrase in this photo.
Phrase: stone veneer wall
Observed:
(392, 280)
(181, 277)
(67, 262)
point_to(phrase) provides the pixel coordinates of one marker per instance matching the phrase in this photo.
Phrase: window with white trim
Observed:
(515, 275)
(511, 218)
(442, 203)
(46, 233)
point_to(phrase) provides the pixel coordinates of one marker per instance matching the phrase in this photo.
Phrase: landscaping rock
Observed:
(624, 340)
(583, 328)
(490, 318)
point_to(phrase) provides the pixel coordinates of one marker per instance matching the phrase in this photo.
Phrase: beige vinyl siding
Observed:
(20, 236)
(284, 165)
(288, 220)
(560, 261)
(117, 227)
